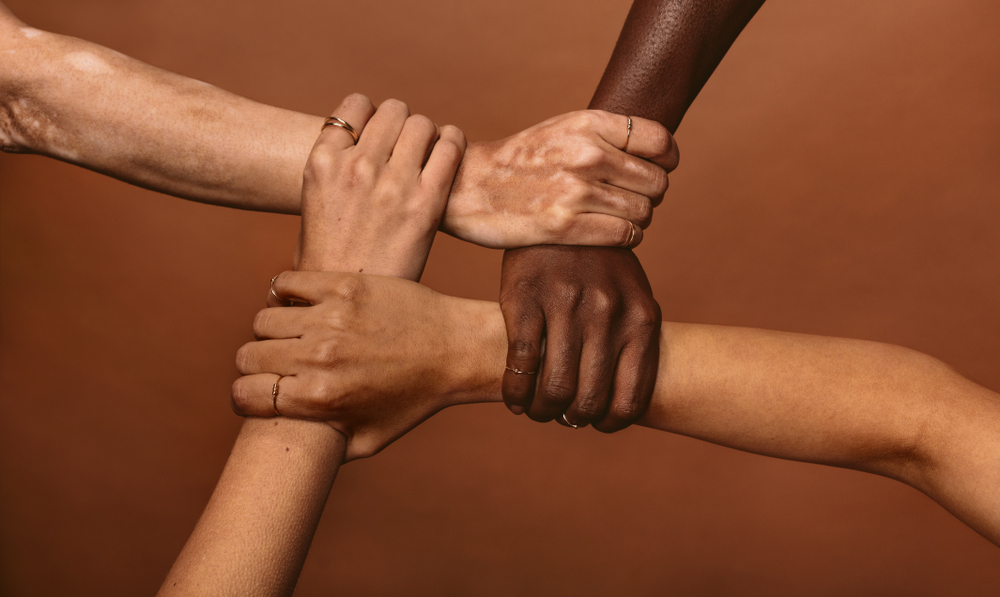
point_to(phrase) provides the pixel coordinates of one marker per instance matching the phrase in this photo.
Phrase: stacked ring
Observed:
(340, 122)
(631, 236)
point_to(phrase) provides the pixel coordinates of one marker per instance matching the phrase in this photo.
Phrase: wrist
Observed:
(477, 350)
(465, 200)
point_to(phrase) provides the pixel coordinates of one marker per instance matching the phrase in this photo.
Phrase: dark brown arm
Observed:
(594, 306)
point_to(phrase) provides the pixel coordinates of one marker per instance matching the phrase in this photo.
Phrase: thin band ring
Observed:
(334, 121)
(274, 395)
(628, 132)
(519, 372)
(565, 420)
(290, 302)
(273, 293)
(631, 235)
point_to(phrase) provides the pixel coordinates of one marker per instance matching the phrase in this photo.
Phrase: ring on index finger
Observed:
(340, 122)
(518, 371)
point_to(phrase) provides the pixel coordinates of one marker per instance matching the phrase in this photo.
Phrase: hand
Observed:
(375, 207)
(373, 356)
(566, 181)
(601, 326)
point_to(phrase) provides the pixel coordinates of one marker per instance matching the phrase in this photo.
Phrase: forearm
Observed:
(255, 532)
(88, 105)
(666, 52)
(850, 403)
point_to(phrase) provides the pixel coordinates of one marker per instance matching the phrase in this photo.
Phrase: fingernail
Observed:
(517, 410)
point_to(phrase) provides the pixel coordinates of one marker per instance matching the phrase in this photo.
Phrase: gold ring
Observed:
(519, 372)
(334, 121)
(274, 396)
(628, 132)
(631, 235)
(273, 293)
(565, 420)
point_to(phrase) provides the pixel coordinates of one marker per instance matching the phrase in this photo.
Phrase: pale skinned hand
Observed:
(373, 356)
(371, 207)
(375, 207)
(570, 180)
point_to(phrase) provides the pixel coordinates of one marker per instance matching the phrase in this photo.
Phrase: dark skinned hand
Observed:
(601, 324)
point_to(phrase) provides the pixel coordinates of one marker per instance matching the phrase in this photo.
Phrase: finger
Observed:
(597, 368)
(355, 110)
(383, 129)
(414, 144)
(646, 139)
(269, 356)
(439, 172)
(632, 387)
(652, 140)
(280, 322)
(254, 396)
(525, 324)
(635, 174)
(613, 201)
(598, 230)
(557, 380)
(308, 287)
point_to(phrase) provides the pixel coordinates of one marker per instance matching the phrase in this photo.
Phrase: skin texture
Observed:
(255, 532)
(209, 145)
(598, 363)
(856, 404)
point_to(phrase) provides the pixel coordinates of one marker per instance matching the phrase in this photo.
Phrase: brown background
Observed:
(840, 176)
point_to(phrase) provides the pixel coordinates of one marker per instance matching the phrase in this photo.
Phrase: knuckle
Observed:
(240, 397)
(558, 390)
(603, 300)
(558, 222)
(321, 395)
(349, 287)
(395, 106)
(360, 101)
(588, 119)
(245, 359)
(453, 133)
(661, 180)
(588, 409)
(449, 150)
(659, 139)
(325, 353)
(644, 212)
(521, 350)
(361, 170)
(260, 321)
(646, 315)
(422, 123)
(321, 163)
(627, 411)
(589, 156)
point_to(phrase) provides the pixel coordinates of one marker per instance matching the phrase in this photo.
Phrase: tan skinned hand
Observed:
(371, 207)
(366, 356)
